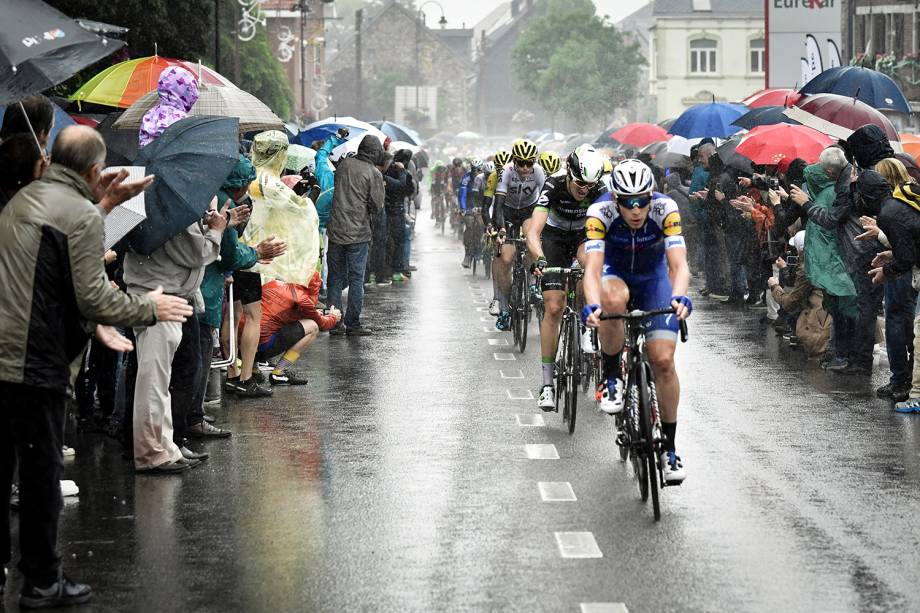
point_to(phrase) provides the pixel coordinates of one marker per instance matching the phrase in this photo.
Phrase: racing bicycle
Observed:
(569, 363)
(519, 299)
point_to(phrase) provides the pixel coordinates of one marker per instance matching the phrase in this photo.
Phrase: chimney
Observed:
(515, 7)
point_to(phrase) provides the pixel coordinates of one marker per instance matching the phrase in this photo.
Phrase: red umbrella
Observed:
(775, 96)
(770, 144)
(640, 134)
(840, 116)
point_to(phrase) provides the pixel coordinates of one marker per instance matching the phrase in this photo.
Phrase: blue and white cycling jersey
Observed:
(633, 254)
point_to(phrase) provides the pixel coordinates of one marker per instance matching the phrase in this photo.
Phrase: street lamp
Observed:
(420, 20)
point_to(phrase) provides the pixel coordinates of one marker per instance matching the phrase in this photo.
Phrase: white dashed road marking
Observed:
(520, 394)
(603, 607)
(498, 342)
(511, 374)
(577, 545)
(530, 420)
(504, 356)
(556, 491)
(541, 452)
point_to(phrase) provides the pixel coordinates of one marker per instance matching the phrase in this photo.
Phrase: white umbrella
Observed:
(128, 215)
(397, 145)
(681, 145)
(468, 135)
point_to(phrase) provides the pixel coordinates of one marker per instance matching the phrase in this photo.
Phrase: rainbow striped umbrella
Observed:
(124, 83)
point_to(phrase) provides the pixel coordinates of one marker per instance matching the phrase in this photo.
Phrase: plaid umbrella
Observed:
(213, 101)
(124, 83)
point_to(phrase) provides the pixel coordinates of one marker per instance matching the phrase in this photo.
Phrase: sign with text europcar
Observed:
(804, 39)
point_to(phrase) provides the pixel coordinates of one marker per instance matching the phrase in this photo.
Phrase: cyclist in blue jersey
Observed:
(634, 248)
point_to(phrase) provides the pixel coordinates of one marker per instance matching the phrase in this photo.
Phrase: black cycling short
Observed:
(559, 249)
(514, 218)
(281, 341)
(247, 286)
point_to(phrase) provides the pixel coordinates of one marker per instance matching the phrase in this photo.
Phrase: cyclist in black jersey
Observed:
(555, 238)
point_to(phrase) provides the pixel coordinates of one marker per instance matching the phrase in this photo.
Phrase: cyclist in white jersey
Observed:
(515, 197)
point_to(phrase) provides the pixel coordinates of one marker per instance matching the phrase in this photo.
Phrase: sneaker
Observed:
(495, 308)
(232, 384)
(719, 297)
(588, 341)
(61, 593)
(358, 332)
(251, 389)
(188, 454)
(837, 364)
(504, 321)
(398, 278)
(386, 283)
(908, 406)
(610, 398)
(68, 452)
(672, 468)
(547, 400)
(205, 430)
(900, 393)
(69, 488)
(885, 391)
(288, 377)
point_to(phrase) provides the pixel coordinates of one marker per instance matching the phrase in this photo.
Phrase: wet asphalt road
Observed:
(398, 480)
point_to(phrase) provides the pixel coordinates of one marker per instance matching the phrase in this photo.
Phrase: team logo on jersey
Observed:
(671, 225)
(595, 229)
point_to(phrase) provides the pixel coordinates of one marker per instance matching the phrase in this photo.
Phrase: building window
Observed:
(703, 56)
(756, 55)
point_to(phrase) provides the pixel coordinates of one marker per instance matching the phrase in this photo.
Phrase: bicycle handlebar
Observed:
(556, 270)
(640, 315)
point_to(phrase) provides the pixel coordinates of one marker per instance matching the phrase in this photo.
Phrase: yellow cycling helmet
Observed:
(523, 149)
(550, 162)
(608, 166)
(502, 157)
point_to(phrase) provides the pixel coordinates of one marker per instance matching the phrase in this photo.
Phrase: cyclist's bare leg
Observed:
(614, 299)
(661, 358)
(554, 302)
(501, 271)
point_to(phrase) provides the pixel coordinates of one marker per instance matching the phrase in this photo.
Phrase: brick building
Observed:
(398, 49)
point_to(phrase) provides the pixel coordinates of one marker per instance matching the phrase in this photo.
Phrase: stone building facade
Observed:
(395, 41)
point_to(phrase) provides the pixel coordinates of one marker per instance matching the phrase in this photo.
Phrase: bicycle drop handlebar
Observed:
(638, 315)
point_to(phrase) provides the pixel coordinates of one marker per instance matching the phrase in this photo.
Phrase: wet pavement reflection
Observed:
(397, 480)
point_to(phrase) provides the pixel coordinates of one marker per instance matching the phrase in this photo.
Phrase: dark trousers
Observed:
(378, 249)
(869, 302)
(716, 267)
(32, 434)
(97, 377)
(183, 382)
(195, 413)
(396, 233)
(347, 264)
(900, 303)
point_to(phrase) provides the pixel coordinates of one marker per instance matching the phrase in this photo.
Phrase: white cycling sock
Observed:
(548, 373)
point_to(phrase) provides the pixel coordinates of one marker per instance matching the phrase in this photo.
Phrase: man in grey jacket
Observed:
(166, 379)
(359, 196)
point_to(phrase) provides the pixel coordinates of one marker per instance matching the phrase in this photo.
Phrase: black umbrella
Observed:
(763, 116)
(121, 145)
(732, 159)
(191, 160)
(662, 158)
(875, 88)
(41, 47)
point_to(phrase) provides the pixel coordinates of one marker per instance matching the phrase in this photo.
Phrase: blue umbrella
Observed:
(191, 160)
(398, 132)
(61, 121)
(323, 132)
(763, 116)
(711, 119)
(876, 89)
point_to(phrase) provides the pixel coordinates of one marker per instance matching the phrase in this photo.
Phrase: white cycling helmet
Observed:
(488, 168)
(475, 164)
(632, 178)
(585, 164)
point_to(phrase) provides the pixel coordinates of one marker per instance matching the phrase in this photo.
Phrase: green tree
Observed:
(593, 71)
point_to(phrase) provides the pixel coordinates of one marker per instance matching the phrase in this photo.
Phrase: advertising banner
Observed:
(803, 39)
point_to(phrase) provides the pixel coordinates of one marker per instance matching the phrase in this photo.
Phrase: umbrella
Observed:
(121, 145)
(397, 145)
(662, 158)
(124, 83)
(298, 157)
(730, 157)
(190, 160)
(681, 145)
(126, 216)
(468, 135)
(838, 116)
(640, 134)
(770, 144)
(772, 97)
(667, 123)
(350, 147)
(61, 121)
(252, 113)
(911, 144)
(711, 119)
(876, 89)
(398, 132)
(763, 116)
(911, 164)
(324, 128)
(41, 47)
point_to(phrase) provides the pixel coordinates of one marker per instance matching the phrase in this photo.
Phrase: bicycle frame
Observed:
(568, 369)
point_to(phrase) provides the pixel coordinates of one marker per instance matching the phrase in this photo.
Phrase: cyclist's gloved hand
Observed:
(538, 266)
(682, 301)
(587, 311)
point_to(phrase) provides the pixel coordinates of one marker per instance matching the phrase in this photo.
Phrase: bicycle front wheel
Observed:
(524, 306)
(648, 442)
(572, 364)
(513, 306)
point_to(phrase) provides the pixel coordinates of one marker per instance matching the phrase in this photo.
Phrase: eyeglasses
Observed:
(634, 202)
(524, 163)
(582, 184)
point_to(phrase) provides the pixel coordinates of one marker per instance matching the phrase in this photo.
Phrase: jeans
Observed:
(900, 303)
(32, 433)
(407, 243)
(347, 264)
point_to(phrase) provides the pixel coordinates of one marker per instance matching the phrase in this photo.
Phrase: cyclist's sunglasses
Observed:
(524, 163)
(634, 202)
(582, 184)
